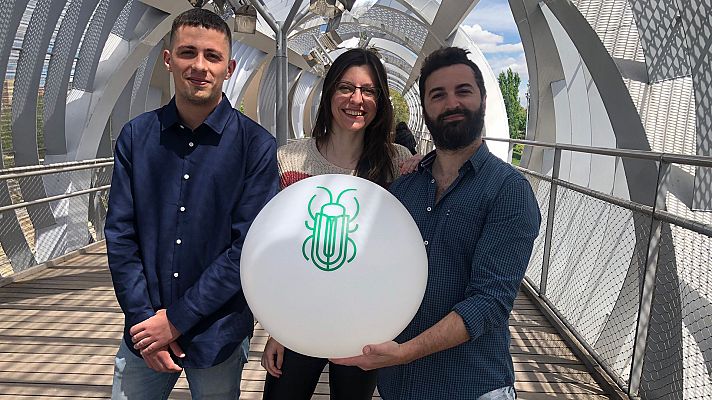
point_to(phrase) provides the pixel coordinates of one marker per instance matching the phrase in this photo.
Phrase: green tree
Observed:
(400, 107)
(516, 114)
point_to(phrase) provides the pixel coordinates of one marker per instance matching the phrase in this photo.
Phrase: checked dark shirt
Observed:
(478, 238)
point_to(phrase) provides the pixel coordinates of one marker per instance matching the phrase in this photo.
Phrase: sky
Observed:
(491, 26)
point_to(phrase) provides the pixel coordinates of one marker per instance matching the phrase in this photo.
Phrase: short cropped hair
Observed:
(198, 17)
(445, 57)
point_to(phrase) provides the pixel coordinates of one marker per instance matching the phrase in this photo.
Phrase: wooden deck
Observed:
(59, 331)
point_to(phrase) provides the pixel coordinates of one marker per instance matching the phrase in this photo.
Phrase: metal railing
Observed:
(424, 142)
(631, 281)
(47, 211)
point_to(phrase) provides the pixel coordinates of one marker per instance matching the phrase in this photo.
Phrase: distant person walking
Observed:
(404, 137)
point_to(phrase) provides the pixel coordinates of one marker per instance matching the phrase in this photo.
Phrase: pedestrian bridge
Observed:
(60, 329)
(617, 297)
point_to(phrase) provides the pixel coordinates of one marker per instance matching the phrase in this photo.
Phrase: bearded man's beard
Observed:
(457, 134)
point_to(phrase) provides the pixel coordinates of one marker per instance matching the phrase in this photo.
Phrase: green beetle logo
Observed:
(330, 230)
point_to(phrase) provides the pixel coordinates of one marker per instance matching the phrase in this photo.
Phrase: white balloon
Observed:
(332, 263)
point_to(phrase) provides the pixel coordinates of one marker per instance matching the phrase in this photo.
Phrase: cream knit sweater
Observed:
(301, 159)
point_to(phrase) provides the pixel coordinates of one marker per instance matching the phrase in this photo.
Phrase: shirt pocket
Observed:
(461, 228)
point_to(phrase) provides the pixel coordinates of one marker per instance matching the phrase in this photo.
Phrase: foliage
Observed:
(400, 107)
(516, 114)
(517, 153)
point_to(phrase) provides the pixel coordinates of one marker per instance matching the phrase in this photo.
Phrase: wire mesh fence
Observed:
(591, 279)
(633, 283)
(678, 356)
(49, 211)
(542, 190)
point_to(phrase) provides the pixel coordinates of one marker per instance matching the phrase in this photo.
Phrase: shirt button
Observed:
(175, 274)
(429, 209)
(425, 242)
(432, 181)
(178, 241)
(182, 209)
(191, 144)
(186, 177)
(181, 126)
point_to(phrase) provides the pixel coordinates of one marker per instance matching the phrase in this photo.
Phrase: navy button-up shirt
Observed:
(180, 204)
(478, 238)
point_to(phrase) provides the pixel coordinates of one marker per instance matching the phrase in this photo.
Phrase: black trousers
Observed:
(300, 374)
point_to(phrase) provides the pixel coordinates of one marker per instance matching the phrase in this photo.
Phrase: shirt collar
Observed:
(216, 121)
(475, 161)
(479, 158)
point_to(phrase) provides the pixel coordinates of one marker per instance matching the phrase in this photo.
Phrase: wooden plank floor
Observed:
(59, 331)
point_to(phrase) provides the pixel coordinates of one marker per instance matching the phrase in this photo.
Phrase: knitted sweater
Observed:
(301, 159)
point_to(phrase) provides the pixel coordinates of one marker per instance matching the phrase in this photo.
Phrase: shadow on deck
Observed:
(60, 328)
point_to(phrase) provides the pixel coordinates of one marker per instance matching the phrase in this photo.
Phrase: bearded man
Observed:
(479, 218)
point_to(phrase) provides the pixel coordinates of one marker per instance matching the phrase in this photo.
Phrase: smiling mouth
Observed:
(354, 113)
(198, 82)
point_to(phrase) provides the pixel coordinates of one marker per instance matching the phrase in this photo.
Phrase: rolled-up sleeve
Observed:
(500, 258)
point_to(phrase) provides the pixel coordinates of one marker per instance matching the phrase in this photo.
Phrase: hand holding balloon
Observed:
(376, 356)
(332, 263)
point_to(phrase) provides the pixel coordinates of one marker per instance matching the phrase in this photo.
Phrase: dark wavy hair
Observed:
(201, 18)
(375, 163)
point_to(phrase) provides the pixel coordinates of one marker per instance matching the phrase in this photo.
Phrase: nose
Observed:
(199, 63)
(451, 102)
(357, 98)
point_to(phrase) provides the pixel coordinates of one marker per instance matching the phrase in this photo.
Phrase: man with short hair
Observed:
(479, 218)
(189, 179)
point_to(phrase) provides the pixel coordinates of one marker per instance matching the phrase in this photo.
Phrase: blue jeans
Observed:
(134, 380)
(505, 393)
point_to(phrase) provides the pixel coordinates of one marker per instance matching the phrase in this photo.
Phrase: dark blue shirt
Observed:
(180, 204)
(478, 238)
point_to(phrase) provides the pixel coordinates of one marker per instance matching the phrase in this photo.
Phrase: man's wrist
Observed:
(408, 352)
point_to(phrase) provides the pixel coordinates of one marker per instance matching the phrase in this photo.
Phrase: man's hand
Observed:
(376, 356)
(272, 357)
(411, 164)
(447, 333)
(161, 361)
(154, 333)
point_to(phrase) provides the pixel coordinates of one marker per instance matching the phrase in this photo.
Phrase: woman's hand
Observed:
(272, 357)
(411, 164)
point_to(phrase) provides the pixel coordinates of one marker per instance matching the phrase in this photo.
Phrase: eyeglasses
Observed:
(348, 89)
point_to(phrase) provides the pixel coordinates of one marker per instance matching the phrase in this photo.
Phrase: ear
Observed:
(167, 59)
(231, 65)
(484, 103)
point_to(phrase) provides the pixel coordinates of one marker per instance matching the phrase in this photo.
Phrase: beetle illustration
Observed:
(330, 241)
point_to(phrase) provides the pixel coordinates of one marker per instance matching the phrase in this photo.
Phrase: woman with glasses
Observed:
(351, 136)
